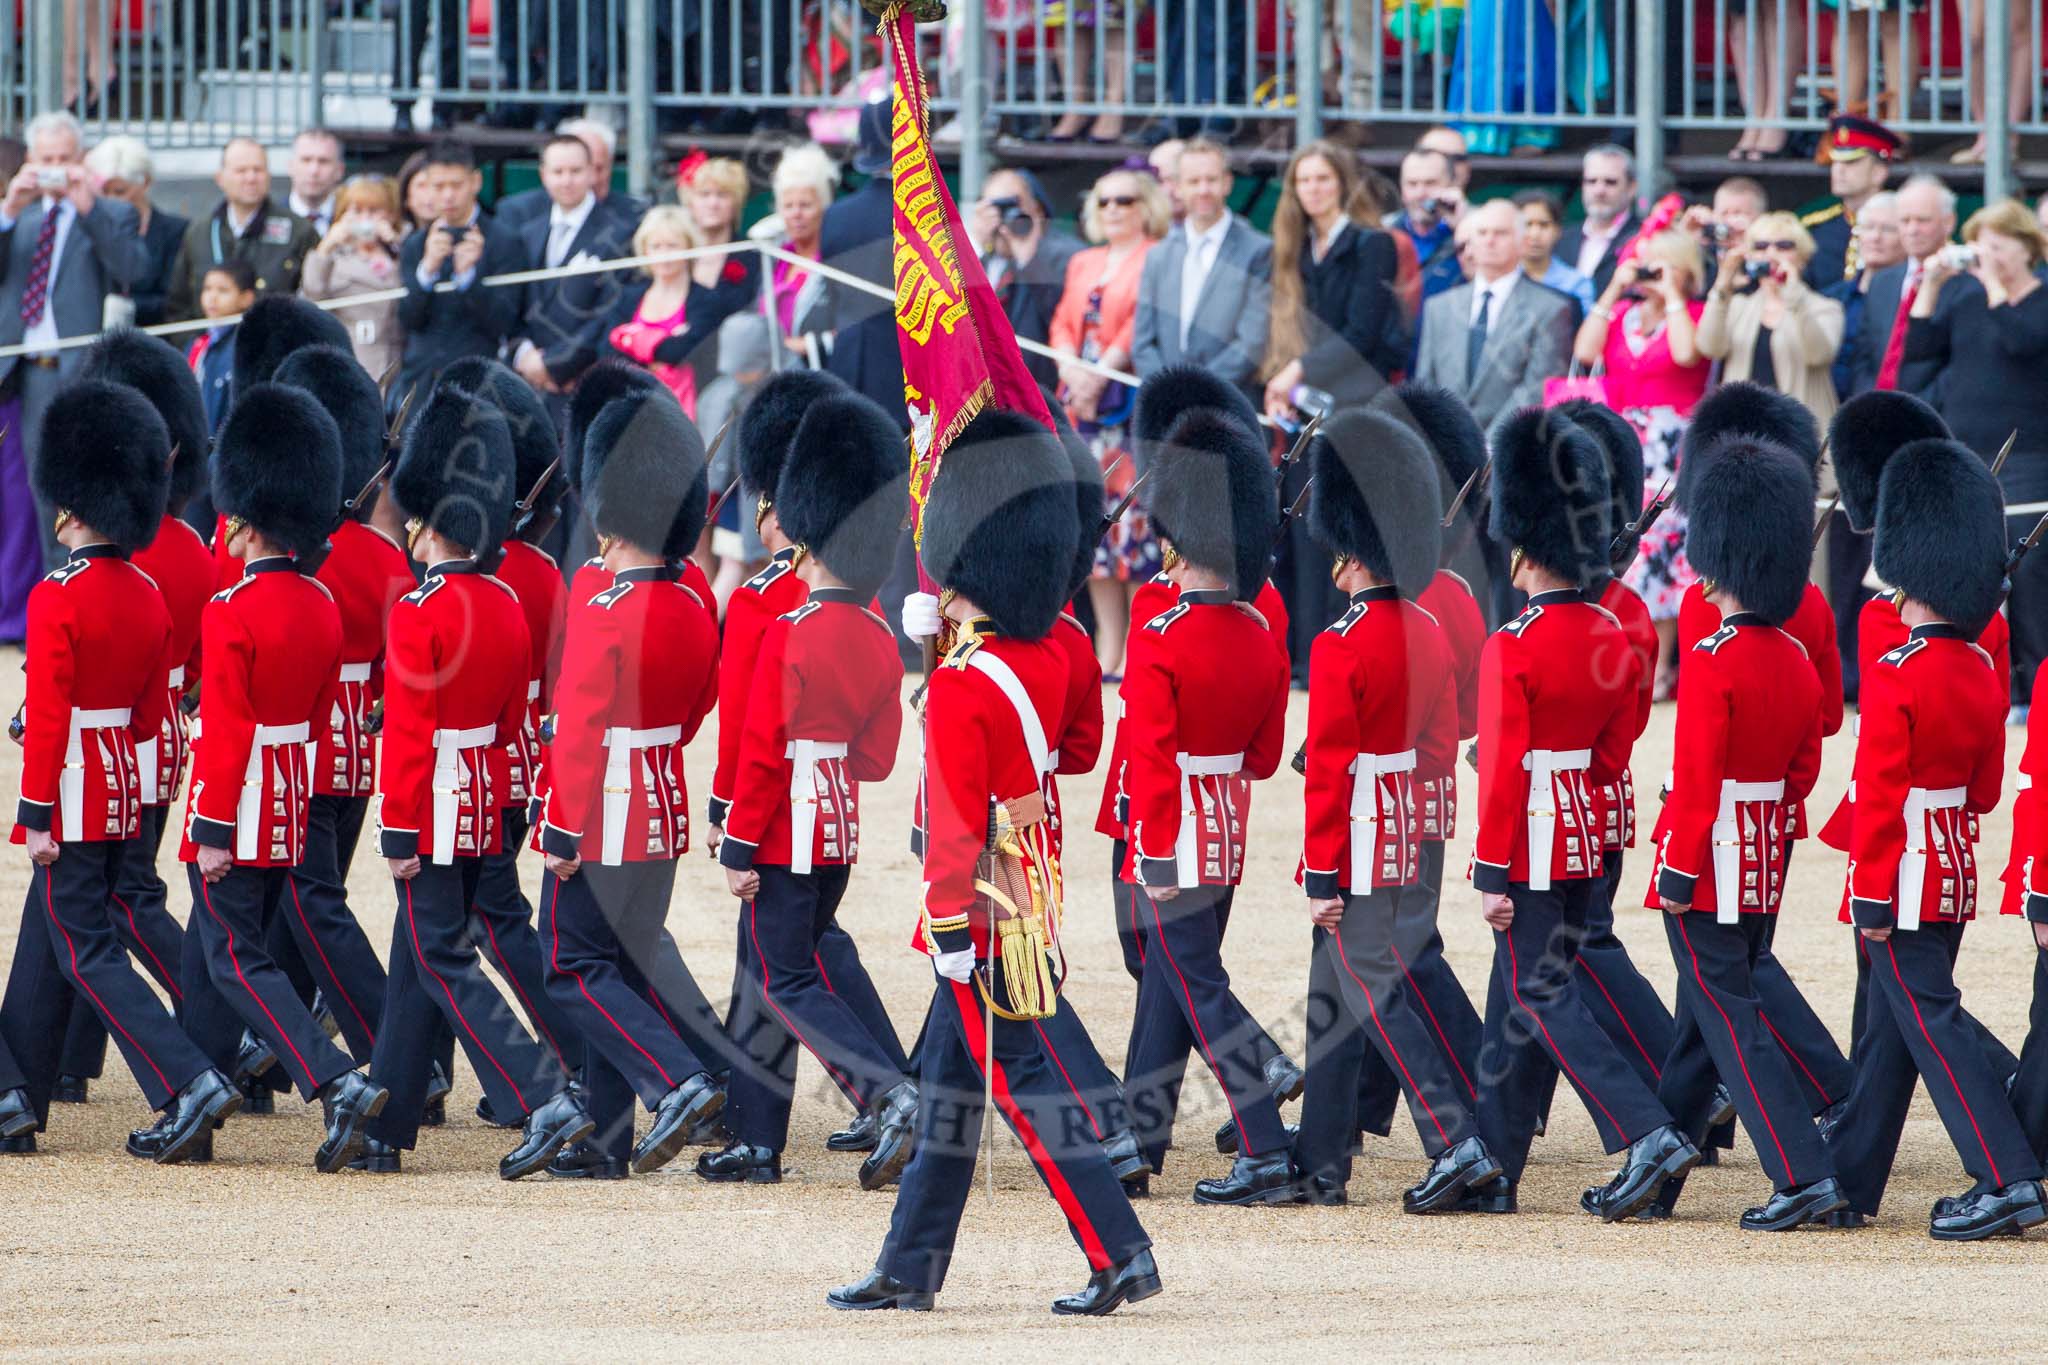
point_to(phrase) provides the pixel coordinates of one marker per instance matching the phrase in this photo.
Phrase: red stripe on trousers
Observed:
(1515, 986)
(1655, 1070)
(1450, 1053)
(206, 895)
(1407, 1080)
(1797, 1061)
(1195, 1024)
(71, 948)
(1046, 1039)
(973, 1027)
(168, 980)
(412, 925)
(512, 979)
(321, 948)
(555, 963)
(1893, 953)
(1740, 1060)
(838, 1078)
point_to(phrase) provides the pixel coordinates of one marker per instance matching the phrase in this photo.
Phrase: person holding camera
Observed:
(1980, 319)
(460, 247)
(359, 255)
(1765, 325)
(1025, 258)
(1431, 205)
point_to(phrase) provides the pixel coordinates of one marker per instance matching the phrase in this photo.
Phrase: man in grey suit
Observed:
(1495, 340)
(67, 248)
(1206, 290)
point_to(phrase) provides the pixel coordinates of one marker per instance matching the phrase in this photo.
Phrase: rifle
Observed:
(368, 491)
(1455, 545)
(1622, 552)
(1820, 528)
(1116, 514)
(2019, 551)
(2005, 451)
(1288, 516)
(1478, 480)
(396, 432)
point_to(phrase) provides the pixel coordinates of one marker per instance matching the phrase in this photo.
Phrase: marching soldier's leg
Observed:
(84, 1054)
(1818, 1064)
(844, 975)
(33, 1011)
(1622, 1002)
(1337, 1053)
(154, 939)
(501, 925)
(2030, 1087)
(2002, 1059)
(674, 992)
(329, 940)
(1511, 1073)
(1096, 1092)
(1130, 930)
(1434, 992)
(408, 1036)
(284, 952)
(1157, 1060)
(17, 1111)
(1865, 1142)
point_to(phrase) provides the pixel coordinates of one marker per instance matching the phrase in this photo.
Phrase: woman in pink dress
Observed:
(1642, 332)
(663, 311)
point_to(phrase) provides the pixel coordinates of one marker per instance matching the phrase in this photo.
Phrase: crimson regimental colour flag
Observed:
(959, 352)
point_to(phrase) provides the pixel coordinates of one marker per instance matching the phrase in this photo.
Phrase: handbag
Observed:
(1563, 388)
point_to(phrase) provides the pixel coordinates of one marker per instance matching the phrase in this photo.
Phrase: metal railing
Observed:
(1514, 73)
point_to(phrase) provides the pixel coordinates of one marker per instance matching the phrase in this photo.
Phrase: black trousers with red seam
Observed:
(1435, 993)
(2030, 1084)
(597, 929)
(67, 948)
(143, 922)
(1916, 1031)
(2001, 1058)
(436, 975)
(951, 1111)
(1723, 1036)
(232, 982)
(1537, 1018)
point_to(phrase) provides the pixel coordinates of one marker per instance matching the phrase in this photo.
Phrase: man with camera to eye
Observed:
(1431, 205)
(1025, 257)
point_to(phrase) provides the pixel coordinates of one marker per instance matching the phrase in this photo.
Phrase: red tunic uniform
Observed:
(2026, 868)
(455, 667)
(1618, 799)
(1558, 701)
(1205, 707)
(99, 646)
(536, 580)
(1378, 679)
(1154, 598)
(1078, 743)
(592, 578)
(268, 683)
(1449, 599)
(1812, 625)
(1746, 752)
(638, 676)
(825, 716)
(366, 573)
(182, 568)
(753, 607)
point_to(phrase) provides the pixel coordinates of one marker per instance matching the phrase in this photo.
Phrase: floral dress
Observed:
(1657, 395)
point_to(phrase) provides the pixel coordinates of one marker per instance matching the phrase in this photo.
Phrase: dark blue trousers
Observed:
(144, 925)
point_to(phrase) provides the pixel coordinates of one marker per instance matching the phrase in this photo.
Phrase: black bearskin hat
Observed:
(1448, 428)
(644, 477)
(999, 522)
(1177, 390)
(601, 383)
(1376, 497)
(153, 366)
(1624, 452)
(101, 457)
(534, 443)
(1746, 409)
(1749, 522)
(1088, 499)
(844, 488)
(455, 473)
(1211, 494)
(769, 422)
(1941, 531)
(277, 466)
(350, 396)
(1550, 494)
(1866, 431)
(274, 327)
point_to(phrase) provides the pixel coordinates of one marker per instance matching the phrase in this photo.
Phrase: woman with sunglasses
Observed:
(1764, 325)
(1126, 213)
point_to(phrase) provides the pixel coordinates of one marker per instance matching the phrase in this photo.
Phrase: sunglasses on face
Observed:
(1122, 201)
(1777, 246)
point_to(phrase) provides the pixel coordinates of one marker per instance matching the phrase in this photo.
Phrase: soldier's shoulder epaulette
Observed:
(146, 576)
(1528, 618)
(1821, 215)
(1343, 624)
(610, 597)
(1985, 655)
(1068, 617)
(1604, 612)
(801, 613)
(1162, 579)
(1459, 579)
(1712, 643)
(1163, 622)
(501, 585)
(879, 621)
(959, 654)
(1804, 652)
(227, 593)
(1905, 652)
(418, 596)
(1425, 613)
(777, 570)
(325, 590)
(386, 538)
(542, 553)
(72, 568)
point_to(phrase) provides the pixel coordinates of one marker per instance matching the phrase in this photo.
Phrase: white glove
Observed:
(921, 619)
(957, 966)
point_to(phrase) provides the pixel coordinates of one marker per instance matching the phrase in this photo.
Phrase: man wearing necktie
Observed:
(66, 248)
(1529, 326)
(1927, 221)
(563, 321)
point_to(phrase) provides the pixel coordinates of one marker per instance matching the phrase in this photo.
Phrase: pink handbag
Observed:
(1572, 384)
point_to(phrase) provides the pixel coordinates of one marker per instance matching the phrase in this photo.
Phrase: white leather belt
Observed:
(355, 673)
(177, 678)
(448, 783)
(2026, 782)
(533, 689)
(1543, 766)
(805, 755)
(623, 742)
(71, 782)
(1913, 862)
(1367, 769)
(1187, 846)
(249, 811)
(1728, 844)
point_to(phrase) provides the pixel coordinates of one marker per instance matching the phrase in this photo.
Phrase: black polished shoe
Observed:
(258, 1099)
(1788, 1209)
(1449, 1176)
(2010, 1209)
(147, 1142)
(69, 1090)
(1284, 1079)
(550, 1128)
(1138, 1186)
(202, 1106)
(581, 1161)
(1722, 1110)
(858, 1136)
(682, 1115)
(876, 1290)
(1112, 1287)
(376, 1158)
(1126, 1158)
(895, 1134)
(348, 1103)
(1325, 1191)
(1709, 1156)
(253, 1059)
(741, 1163)
(1829, 1119)
(17, 1113)
(323, 1015)
(1252, 1180)
(489, 1115)
(1651, 1160)
(21, 1144)
(1495, 1196)
(1847, 1218)
(434, 1113)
